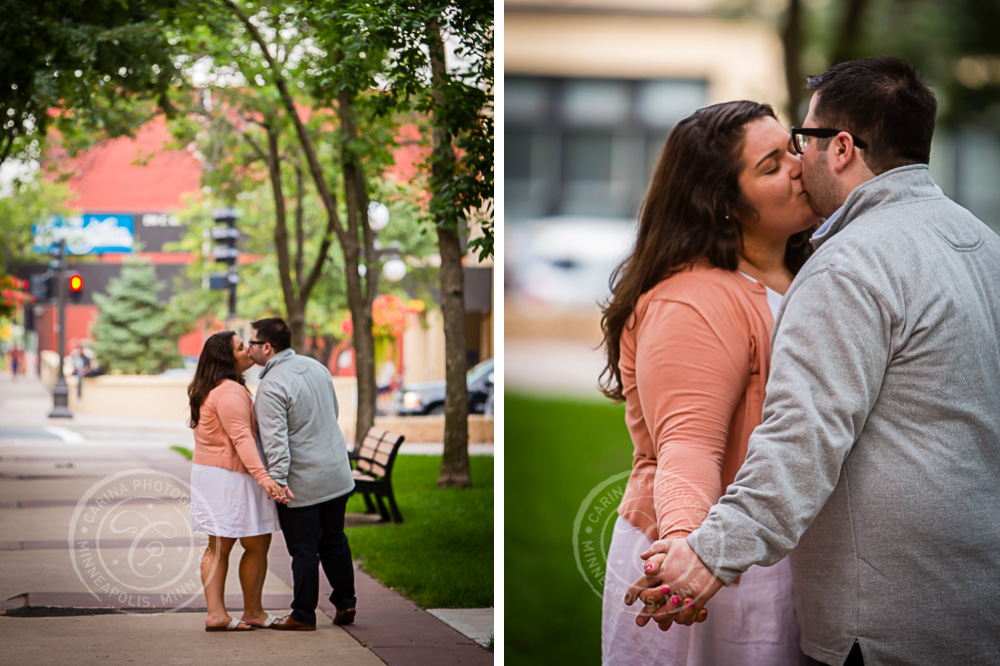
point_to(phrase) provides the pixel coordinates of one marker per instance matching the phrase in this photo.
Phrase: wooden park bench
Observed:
(372, 466)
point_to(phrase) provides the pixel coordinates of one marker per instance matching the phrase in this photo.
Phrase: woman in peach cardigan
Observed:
(232, 492)
(722, 231)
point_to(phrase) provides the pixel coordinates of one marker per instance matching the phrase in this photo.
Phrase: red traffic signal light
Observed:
(76, 283)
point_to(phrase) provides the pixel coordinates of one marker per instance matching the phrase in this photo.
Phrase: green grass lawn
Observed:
(442, 554)
(555, 452)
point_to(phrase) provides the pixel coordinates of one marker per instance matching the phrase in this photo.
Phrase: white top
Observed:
(774, 298)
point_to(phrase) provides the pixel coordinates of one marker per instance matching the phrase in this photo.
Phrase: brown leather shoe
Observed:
(288, 624)
(345, 616)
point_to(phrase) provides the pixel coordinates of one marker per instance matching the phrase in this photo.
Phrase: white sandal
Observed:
(266, 624)
(232, 626)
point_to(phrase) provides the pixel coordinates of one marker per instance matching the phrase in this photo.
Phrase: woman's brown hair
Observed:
(690, 213)
(216, 363)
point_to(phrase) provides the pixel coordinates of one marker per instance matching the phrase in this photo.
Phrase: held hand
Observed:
(676, 587)
(276, 491)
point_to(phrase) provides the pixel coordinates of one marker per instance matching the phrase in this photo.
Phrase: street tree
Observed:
(399, 48)
(963, 66)
(105, 64)
(25, 202)
(260, 282)
(361, 150)
(131, 321)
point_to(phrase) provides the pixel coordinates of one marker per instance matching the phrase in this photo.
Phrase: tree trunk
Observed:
(356, 202)
(297, 322)
(455, 460)
(791, 39)
(851, 32)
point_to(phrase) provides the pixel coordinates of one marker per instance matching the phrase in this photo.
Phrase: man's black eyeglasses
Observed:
(800, 137)
(251, 343)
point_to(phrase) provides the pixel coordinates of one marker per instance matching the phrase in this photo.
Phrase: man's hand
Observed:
(277, 492)
(676, 587)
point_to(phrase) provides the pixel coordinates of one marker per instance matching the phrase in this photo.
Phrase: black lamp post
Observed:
(60, 392)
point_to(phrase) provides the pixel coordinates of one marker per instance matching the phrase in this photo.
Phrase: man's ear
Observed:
(843, 151)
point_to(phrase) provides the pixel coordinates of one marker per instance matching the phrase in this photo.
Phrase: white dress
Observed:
(751, 623)
(231, 504)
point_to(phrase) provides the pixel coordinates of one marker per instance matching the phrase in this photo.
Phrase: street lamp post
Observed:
(60, 391)
(394, 269)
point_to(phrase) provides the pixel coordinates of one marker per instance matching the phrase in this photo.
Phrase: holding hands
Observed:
(276, 491)
(673, 572)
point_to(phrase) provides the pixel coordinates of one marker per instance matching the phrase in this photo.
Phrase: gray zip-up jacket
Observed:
(296, 410)
(878, 460)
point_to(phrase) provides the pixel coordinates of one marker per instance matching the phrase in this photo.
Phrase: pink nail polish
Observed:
(649, 567)
(666, 590)
(688, 604)
(675, 600)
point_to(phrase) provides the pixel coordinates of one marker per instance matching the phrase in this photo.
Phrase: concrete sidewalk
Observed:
(97, 560)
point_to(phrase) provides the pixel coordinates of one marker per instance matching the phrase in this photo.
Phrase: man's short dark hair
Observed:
(275, 331)
(884, 102)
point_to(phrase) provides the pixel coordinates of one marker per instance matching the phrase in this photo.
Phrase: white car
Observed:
(566, 261)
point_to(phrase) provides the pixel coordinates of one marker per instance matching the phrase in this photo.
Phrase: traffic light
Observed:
(226, 253)
(76, 288)
(227, 235)
(41, 287)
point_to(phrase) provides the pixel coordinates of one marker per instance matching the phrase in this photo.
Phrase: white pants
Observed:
(751, 623)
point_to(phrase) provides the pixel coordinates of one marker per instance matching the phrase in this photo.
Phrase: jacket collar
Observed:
(903, 185)
(277, 359)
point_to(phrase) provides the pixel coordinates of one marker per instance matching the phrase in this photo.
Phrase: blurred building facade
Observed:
(144, 182)
(593, 87)
(591, 90)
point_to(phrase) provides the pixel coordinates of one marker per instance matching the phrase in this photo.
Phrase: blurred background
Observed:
(591, 90)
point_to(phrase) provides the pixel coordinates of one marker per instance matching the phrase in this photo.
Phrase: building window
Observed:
(587, 146)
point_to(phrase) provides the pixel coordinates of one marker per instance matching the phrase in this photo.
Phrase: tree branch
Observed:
(329, 200)
(280, 228)
(300, 234)
(354, 190)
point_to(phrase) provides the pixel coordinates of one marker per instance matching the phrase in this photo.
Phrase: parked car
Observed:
(564, 261)
(428, 397)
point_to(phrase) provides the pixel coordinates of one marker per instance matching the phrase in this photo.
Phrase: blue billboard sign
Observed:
(93, 233)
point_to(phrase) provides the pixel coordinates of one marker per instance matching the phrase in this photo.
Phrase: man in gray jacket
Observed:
(296, 410)
(878, 460)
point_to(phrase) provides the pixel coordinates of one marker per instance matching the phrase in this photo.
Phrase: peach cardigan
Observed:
(694, 361)
(224, 436)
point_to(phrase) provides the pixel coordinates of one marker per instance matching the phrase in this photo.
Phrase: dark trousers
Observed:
(854, 658)
(315, 536)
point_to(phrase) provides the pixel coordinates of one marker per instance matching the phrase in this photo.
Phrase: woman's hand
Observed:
(675, 587)
(276, 491)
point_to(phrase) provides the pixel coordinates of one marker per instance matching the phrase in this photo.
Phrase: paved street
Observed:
(97, 560)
